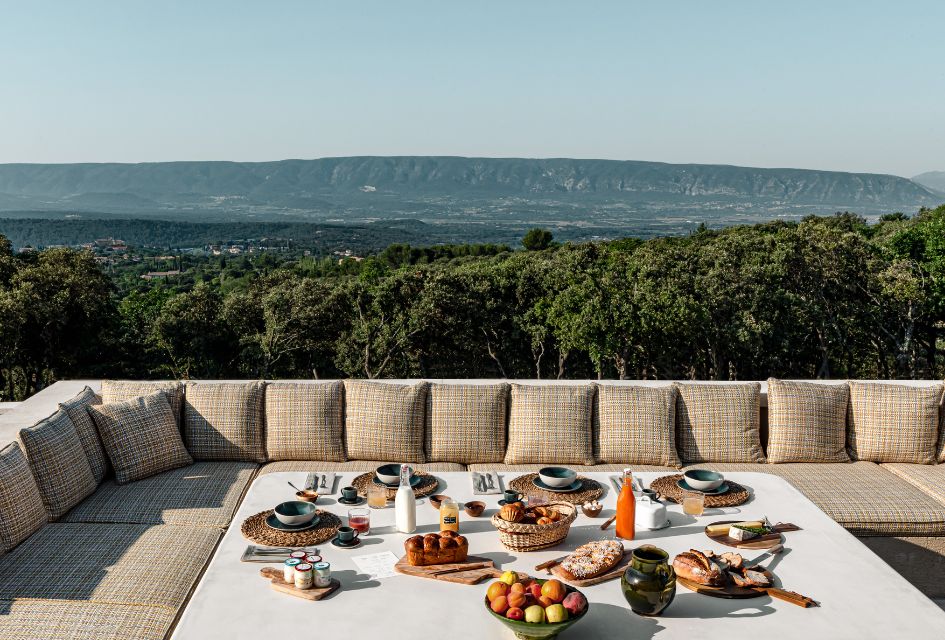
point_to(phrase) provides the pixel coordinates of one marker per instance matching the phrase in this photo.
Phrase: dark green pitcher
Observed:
(648, 583)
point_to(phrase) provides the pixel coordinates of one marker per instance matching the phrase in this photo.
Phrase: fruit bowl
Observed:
(538, 630)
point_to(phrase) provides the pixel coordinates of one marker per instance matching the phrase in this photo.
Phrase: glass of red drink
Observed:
(360, 520)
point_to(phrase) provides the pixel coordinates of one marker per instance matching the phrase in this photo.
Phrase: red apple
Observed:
(534, 589)
(515, 613)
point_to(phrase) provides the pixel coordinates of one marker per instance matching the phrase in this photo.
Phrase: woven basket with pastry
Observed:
(524, 528)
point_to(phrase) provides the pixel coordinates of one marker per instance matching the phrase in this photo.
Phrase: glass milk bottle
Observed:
(405, 505)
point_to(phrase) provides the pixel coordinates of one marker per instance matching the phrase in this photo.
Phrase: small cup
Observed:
(693, 503)
(349, 493)
(347, 535)
(474, 508)
(511, 495)
(307, 495)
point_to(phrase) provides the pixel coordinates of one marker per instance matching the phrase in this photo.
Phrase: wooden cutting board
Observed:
(766, 541)
(472, 571)
(277, 582)
(616, 572)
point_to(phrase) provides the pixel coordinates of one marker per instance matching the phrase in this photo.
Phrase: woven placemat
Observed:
(590, 490)
(427, 485)
(255, 528)
(667, 488)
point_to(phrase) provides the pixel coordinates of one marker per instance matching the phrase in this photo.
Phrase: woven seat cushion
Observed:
(719, 423)
(224, 421)
(807, 422)
(384, 421)
(550, 424)
(929, 478)
(121, 390)
(591, 468)
(863, 497)
(893, 423)
(466, 422)
(77, 620)
(21, 505)
(305, 421)
(636, 425)
(204, 494)
(140, 436)
(88, 434)
(62, 473)
(113, 563)
(311, 466)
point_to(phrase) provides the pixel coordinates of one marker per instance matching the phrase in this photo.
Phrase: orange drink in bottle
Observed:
(626, 508)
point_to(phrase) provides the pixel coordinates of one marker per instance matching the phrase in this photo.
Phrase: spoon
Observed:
(297, 490)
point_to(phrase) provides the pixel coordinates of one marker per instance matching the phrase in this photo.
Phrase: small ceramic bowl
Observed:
(590, 512)
(307, 496)
(437, 499)
(295, 512)
(703, 479)
(474, 508)
(388, 474)
(557, 476)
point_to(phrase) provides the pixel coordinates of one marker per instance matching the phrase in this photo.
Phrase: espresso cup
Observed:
(347, 534)
(349, 493)
(512, 496)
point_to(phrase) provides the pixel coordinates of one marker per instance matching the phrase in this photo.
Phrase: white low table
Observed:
(860, 595)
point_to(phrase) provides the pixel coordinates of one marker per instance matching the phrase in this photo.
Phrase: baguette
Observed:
(696, 566)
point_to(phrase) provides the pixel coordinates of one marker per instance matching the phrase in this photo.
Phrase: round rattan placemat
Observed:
(255, 528)
(736, 495)
(427, 485)
(590, 490)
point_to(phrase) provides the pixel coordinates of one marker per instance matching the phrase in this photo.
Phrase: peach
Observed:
(554, 590)
(534, 589)
(516, 600)
(515, 613)
(500, 605)
(545, 601)
(518, 587)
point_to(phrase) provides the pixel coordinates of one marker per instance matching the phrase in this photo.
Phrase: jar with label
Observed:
(322, 572)
(449, 515)
(303, 576)
(288, 570)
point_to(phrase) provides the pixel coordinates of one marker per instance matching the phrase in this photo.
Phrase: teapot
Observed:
(650, 512)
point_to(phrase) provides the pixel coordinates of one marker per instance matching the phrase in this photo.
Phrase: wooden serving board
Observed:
(766, 541)
(730, 590)
(277, 582)
(472, 571)
(616, 572)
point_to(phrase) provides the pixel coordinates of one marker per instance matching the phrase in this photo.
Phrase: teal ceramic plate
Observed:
(414, 481)
(719, 490)
(274, 523)
(571, 488)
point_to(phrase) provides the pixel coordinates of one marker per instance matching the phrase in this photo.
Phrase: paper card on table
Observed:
(324, 483)
(376, 565)
(486, 482)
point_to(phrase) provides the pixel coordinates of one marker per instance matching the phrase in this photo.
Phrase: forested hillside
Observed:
(826, 297)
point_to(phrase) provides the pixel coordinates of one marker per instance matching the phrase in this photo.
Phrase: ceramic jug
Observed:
(649, 582)
(651, 513)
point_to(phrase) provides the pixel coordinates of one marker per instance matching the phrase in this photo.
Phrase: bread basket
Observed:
(518, 536)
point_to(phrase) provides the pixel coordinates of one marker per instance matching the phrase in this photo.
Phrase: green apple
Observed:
(535, 614)
(556, 613)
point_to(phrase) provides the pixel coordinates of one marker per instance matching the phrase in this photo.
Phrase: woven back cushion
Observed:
(941, 432)
(305, 421)
(719, 423)
(224, 421)
(21, 506)
(88, 434)
(62, 472)
(807, 422)
(550, 424)
(140, 436)
(636, 425)
(121, 390)
(466, 422)
(384, 422)
(893, 423)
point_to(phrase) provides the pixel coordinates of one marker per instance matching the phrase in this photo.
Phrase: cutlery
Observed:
(294, 487)
(776, 549)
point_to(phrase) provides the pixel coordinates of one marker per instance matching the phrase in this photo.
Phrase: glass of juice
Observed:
(377, 496)
(360, 520)
(693, 503)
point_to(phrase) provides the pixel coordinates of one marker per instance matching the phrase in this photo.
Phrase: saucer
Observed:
(350, 503)
(719, 490)
(571, 488)
(335, 542)
(414, 481)
(273, 522)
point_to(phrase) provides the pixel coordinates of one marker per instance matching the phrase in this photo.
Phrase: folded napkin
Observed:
(486, 483)
(324, 483)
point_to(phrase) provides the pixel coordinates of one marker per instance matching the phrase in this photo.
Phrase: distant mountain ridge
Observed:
(931, 179)
(325, 183)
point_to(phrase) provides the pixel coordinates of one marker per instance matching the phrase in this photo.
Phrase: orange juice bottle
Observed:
(626, 508)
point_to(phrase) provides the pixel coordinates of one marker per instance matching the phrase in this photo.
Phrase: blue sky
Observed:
(856, 86)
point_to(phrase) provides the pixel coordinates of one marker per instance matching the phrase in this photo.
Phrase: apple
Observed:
(556, 613)
(509, 578)
(545, 601)
(554, 590)
(497, 589)
(575, 603)
(514, 613)
(535, 614)
(534, 589)
(500, 604)
(516, 600)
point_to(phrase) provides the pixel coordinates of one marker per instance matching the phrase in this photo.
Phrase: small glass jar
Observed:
(322, 572)
(288, 570)
(303, 576)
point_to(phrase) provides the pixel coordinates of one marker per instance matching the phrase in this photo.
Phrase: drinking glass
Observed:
(693, 503)
(377, 496)
(360, 520)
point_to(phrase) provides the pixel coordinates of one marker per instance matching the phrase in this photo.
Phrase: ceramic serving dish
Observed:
(532, 630)
(388, 474)
(295, 512)
(703, 479)
(307, 496)
(557, 477)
